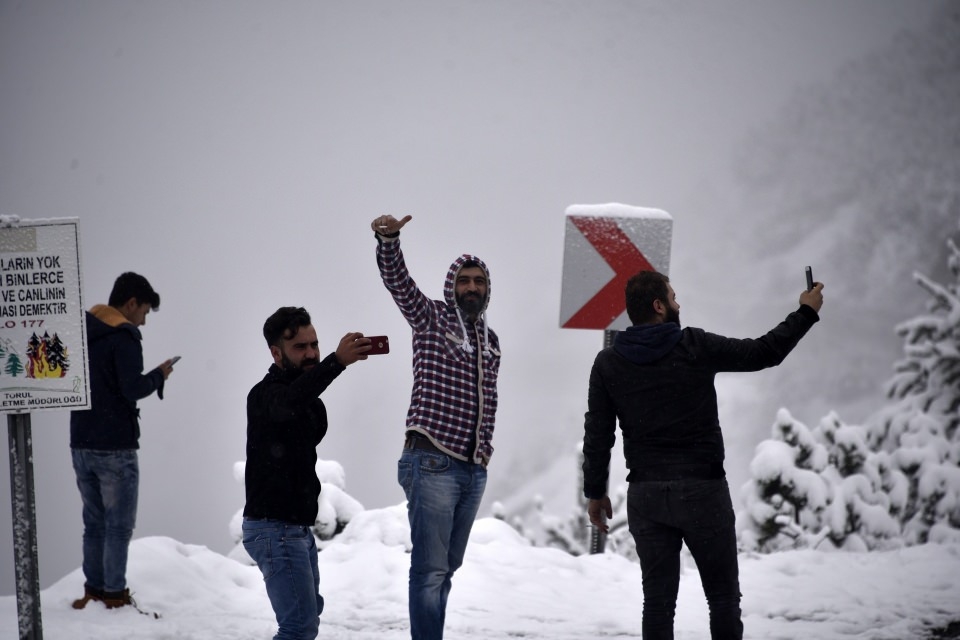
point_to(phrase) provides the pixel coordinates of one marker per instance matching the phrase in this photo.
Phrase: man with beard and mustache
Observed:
(286, 420)
(658, 381)
(449, 425)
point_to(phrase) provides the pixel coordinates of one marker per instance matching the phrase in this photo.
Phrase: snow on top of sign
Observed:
(616, 210)
(32, 221)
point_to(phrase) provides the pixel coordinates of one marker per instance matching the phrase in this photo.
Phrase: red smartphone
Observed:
(378, 344)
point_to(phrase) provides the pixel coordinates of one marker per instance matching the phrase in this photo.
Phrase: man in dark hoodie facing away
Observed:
(104, 439)
(658, 381)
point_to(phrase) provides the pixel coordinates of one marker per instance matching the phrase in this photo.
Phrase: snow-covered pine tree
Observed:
(921, 430)
(787, 494)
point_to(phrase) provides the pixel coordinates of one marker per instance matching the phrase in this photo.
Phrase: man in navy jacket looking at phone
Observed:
(657, 380)
(104, 439)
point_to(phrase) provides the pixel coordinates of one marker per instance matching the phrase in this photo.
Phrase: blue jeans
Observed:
(287, 556)
(108, 483)
(443, 497)
(663, 514)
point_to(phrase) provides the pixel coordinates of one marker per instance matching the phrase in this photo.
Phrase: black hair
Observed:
(284, 324)
(133, 285)
(641, 290)
(467, 264)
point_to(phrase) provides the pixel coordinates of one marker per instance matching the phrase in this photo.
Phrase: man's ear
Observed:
(659, 307)
(128, 308)
(277, 354)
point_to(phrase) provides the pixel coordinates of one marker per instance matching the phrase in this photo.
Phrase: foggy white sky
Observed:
(235, 152)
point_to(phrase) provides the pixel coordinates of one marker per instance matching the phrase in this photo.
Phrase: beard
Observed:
(673, 315)
(288, 364)
(470, 303)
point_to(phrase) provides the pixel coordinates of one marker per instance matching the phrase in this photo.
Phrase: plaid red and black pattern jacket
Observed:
(455, 362)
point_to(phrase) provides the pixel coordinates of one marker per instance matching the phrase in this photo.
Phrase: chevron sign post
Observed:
(603, 246)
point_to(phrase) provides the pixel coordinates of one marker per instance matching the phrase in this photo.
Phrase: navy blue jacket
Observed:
(286, 420)
(117, 381)
(658, 381)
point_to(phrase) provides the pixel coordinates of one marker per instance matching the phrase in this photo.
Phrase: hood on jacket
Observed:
(450, 297)
(646, 343)
(110, 320)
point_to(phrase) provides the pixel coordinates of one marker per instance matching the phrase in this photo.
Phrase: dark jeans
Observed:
(287, 556)
(661, 516)
(108, 483)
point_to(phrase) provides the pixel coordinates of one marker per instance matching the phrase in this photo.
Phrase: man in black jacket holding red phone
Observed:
(657, 380)
(286, 420)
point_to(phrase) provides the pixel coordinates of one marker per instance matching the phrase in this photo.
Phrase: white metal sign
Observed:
(603, 246)
(43, 354)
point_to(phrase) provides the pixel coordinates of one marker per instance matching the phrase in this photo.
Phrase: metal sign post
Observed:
(23, 504)
(603, 246)
(43, 366)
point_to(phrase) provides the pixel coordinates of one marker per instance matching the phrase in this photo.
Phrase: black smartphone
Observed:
(809, 271)
(378, 344)
(173, 360)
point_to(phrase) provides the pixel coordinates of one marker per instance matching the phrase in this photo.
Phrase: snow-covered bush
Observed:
(571, 531)
(336, 508)
(541, 529)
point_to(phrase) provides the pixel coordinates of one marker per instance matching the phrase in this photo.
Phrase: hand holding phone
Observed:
(378, 345)
(813, 296)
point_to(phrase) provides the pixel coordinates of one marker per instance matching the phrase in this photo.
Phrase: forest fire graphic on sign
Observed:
(47, 357)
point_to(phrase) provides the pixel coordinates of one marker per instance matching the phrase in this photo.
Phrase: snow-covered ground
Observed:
(508, 589)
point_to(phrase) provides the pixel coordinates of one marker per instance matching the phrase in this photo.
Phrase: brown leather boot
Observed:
(89, 593)
(116, 599)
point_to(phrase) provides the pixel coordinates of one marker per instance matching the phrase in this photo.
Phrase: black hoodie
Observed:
(658, 381)
(117, 381)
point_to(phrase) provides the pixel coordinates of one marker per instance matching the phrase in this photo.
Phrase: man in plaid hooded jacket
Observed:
(449, 425)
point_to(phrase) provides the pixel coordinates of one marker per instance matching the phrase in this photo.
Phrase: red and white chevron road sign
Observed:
(603, 246)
